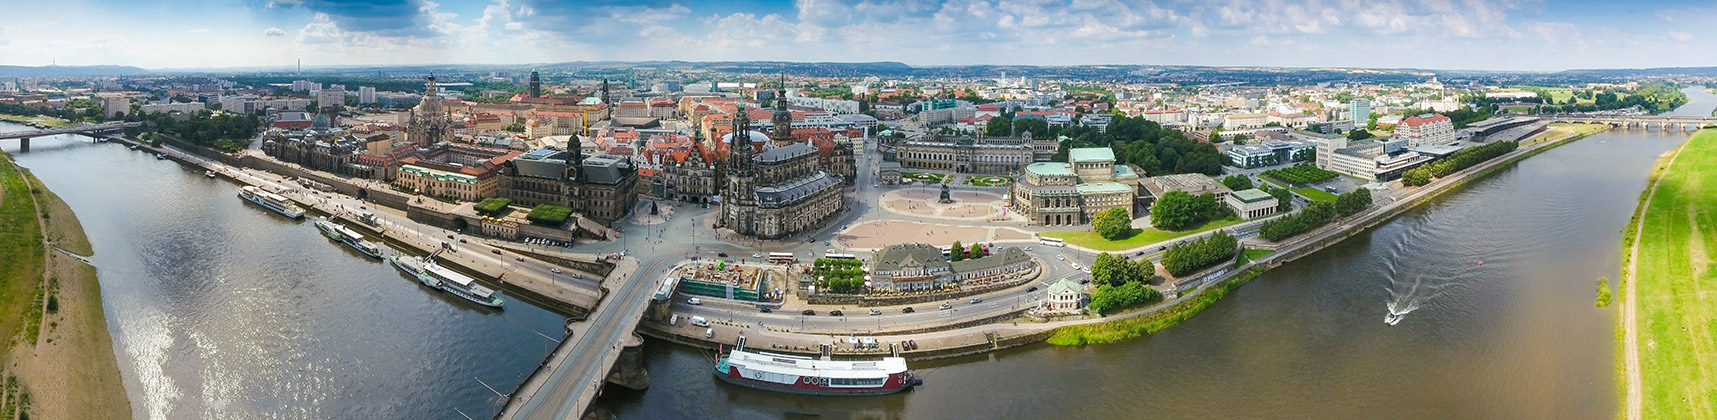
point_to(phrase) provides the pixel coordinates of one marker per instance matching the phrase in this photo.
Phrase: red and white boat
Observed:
(814, 376)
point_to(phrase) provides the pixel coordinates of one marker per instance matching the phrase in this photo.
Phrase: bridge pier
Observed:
(24, 145)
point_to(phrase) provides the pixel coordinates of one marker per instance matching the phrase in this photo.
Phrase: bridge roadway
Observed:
(1662, 121)
(26, 135)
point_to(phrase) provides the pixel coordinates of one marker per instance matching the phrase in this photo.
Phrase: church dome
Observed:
(756, 137)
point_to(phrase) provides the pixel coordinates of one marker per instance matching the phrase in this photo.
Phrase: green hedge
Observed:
(1196, 255)
(492, 206)
(548, 214)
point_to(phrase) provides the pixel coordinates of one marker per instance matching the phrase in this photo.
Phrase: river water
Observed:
(221, 310)
(1502, 274)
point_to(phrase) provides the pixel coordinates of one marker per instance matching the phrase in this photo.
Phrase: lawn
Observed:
(1141, 237)
(47, 121)
(20, 253)
(924, 177)
(987, 181)
(1315, 194)
(1676, 289)
(1254, 254)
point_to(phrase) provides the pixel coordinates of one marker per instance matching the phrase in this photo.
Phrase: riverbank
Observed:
(1667, 281)
(64, 357)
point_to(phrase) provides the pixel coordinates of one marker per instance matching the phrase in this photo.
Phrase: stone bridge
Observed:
(1647, 122)
(25, 136)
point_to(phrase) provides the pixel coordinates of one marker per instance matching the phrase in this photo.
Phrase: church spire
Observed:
(739, 142)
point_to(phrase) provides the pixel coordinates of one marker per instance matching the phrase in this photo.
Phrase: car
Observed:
(577, 276)
(808, 312)
(945, 307)
(1162, 247)
(461, 240)
(1087, 270)
(694, 301)
(825, 243)
(875, 312)
(757, 255)
(765, 310)
(709, 333)
(449, 236)
(836, 312)
(977, 300)
(722, 254)
(518, 258)
(496, 251)
(1028, 248)
(907, 310)
(1032, 289)
(554, 270)
(1061, 257)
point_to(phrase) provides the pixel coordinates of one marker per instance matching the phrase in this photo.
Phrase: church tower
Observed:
(783, 119)
(430, 123)
(739, 197)
(536, 89)
(574, 160)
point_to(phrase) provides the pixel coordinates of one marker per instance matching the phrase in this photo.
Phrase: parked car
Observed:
(808, 312)
(907, 310)
(694, 301)
(1032, 289)
(461, 240)
(765, 310)
(721, 254)
(836, 312)
(875, 312)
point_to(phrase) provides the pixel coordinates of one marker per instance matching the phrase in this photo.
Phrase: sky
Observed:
(1430, 34)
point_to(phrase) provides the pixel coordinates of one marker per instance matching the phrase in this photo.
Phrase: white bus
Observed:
(840, 256)
(946, 250)
(1051, 241)
(781, 257)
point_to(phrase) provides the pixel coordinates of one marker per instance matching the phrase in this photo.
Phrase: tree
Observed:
(1353, 201)
(1113, 224)
(1174, 211)
(1358, 134)
(1284, 198)
(1416, 177)
(1200, 253)
(1237, 182)
(998, 127)
(976, 253)
(954, 253)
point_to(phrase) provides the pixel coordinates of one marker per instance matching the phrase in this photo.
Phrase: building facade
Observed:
(918, 266)
(1072, 193)
(1426, 130)
(1251, 203)
(968, 154)
(430, 123)
(778, 192)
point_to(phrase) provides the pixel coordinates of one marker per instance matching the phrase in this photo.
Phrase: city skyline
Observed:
(1456, 34)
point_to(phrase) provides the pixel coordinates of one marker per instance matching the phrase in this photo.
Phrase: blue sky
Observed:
(1439, 34)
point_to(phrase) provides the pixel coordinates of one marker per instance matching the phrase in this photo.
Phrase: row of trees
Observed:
(1116, 270)
(957, 252)
(839, 276)
(1465, 158)
(1135, 141)
(1316, 214)
(227, 132)
(1196, 255)
(1179, 210)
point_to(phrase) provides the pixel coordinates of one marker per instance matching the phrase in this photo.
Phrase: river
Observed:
(1503, 274)
(221, 310)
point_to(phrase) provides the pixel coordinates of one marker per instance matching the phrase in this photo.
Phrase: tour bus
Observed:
(1051, 241)
(781, 257)
(946, 250)
(840, 256)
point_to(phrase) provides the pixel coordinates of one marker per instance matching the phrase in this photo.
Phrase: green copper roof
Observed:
(1102, 187)
(1091, 154)
(1049, 169)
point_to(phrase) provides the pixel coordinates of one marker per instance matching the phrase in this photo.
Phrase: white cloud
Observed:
(273, 32)
(1679, 36)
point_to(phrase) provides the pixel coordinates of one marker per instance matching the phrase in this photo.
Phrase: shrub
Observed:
(1110, 298)
(1301, 174)
(1237, 182)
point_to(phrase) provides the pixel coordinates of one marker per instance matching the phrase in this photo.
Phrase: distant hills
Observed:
(69, 71)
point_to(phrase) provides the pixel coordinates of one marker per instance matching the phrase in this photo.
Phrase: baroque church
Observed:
(781, 190)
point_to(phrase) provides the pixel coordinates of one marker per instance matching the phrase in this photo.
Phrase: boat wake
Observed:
(1404, 298)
